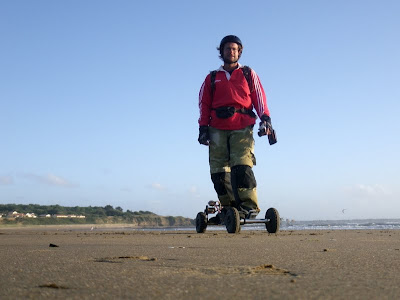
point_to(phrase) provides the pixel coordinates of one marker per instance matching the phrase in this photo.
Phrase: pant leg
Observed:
(223, 187)
(242, 159)
(244, 186)
(219, 166)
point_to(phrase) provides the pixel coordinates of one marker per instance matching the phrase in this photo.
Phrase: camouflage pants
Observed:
(231, 152)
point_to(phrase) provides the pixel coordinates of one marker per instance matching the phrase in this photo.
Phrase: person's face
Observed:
(231, 53)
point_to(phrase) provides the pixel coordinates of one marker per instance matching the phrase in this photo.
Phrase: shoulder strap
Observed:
(247, 74)
(212, 77)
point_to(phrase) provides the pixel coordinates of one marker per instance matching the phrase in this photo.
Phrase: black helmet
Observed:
(229, 39)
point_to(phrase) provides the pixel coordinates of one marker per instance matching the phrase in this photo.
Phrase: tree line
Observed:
(89, 211)
(93, 215)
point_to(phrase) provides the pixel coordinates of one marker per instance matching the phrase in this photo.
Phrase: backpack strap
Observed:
(212, 77)
(247, 74)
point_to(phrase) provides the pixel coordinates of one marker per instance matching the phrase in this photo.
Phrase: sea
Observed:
(382, 224)
(365, 224)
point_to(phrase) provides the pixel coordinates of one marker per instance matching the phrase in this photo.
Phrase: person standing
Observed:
(227, 98)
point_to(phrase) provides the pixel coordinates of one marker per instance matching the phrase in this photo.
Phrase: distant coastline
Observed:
(21, 215)
(34, 214)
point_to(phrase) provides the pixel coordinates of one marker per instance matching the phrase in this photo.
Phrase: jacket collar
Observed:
(228, 76)
(221, 68)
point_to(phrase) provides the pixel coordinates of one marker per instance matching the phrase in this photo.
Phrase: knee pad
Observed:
(243, 177)
(221, 182)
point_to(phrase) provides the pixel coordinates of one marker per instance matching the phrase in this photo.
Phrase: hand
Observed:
(204, 136)
(265, 126)
(266, 129)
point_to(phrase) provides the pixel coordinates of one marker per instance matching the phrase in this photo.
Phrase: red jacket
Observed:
(231, 90)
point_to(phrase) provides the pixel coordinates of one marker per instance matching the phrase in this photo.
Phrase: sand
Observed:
(126, 264)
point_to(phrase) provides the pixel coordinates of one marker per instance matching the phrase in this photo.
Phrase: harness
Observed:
(246, 72)
(225, 112)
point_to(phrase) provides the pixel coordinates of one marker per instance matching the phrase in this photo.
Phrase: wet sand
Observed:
(126, 264)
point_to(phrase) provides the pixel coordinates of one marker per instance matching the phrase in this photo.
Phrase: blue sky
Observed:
(99, 103)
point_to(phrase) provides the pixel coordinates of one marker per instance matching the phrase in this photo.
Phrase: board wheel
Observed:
(201, 222)
(232, 220)
(274, 221)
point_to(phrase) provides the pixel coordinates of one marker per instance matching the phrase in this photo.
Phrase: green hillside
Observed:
(57, 215)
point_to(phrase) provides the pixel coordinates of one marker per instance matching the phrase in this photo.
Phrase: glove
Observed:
(266, 129)
(265, 126)
(204, 136)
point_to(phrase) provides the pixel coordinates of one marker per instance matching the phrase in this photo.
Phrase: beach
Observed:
(68, 262)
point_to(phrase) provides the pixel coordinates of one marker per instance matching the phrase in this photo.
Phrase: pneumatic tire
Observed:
(201, 222)
(274, 221)
(232, 220)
